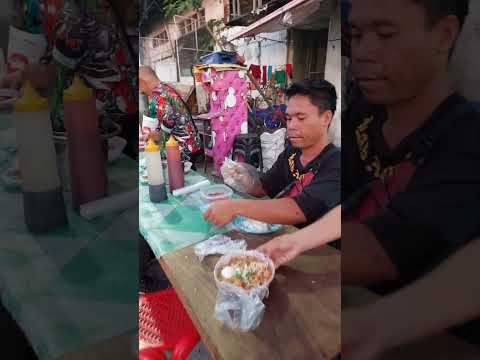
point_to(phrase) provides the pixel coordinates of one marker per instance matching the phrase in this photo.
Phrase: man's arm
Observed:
(328, 228)
(245, 179)
(276, 211)
(423, 308)
(257, 190)
(364, 261)
(285, 248)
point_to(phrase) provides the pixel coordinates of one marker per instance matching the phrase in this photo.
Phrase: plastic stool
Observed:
(164, 323)
(152, 353)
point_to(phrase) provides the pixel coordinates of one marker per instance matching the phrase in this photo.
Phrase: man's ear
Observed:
(446, 31)
(326, 118)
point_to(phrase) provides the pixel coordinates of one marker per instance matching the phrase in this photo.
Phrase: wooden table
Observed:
(440, 347)
(302, 317)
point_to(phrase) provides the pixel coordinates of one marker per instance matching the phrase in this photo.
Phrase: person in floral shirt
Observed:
(80, 41)
(173, 114)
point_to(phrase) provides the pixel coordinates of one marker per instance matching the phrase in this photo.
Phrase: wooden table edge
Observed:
(205, 337)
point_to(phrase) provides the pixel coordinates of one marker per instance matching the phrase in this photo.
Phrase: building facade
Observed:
(304, 33)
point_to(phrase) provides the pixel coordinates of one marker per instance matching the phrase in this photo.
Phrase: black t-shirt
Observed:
(314, 194)
(439, 210)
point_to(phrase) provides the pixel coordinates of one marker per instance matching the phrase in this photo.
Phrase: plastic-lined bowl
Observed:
(215, 193)
(261, 290)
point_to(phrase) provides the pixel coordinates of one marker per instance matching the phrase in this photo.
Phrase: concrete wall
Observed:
(264, 49)
(303, 44)
(214, 9)
(166, 68)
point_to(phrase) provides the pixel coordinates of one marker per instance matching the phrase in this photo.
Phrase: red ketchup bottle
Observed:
(87, 160)
(176, 176)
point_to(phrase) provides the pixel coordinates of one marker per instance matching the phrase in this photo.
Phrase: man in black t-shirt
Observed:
(304, 183)
(411, 174)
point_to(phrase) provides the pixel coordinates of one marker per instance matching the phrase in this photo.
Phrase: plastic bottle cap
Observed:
(151, 146)
(30, 100)
(78, 91)
(171, 142)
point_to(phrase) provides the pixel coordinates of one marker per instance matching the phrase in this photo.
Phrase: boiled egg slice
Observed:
(228, 272)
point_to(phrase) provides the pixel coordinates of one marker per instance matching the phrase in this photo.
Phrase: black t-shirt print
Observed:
(440, 208)
(314, 195)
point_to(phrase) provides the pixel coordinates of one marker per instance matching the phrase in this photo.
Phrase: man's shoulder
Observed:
(332, 155)
(329, 160)
(334, 160)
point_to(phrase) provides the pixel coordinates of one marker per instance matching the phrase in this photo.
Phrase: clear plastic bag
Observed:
(242, 177)
(218, 244)
(237, 308)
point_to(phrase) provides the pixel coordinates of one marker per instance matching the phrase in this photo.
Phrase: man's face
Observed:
(306, 126)
(393, 53)
(147, 81)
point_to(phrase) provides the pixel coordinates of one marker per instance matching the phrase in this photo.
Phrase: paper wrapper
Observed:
(24, 48)
(109, 204)
(218, 244)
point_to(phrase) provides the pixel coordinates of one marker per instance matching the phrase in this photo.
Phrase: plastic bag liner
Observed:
(239, 176)
(218, 244)
(237, 308)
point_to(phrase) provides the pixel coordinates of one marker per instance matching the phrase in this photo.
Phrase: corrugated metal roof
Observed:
(300, 14)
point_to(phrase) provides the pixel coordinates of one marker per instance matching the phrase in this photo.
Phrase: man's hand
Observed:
(221, 213)
(238, 176)
(281, 249)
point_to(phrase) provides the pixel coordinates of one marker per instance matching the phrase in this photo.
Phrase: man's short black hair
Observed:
(438, 9)
(320, 92)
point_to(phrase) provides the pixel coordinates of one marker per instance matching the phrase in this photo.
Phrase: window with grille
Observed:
(201, 17)
(240, 8)
(160, 39)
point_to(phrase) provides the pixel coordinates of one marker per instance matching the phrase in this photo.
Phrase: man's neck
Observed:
(405, 117)
(310, 153)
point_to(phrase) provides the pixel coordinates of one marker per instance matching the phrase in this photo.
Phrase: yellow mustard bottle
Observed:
(43, 202)
(156, 182)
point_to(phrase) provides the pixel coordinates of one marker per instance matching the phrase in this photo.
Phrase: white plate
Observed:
(187, 166)
(115, 148)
